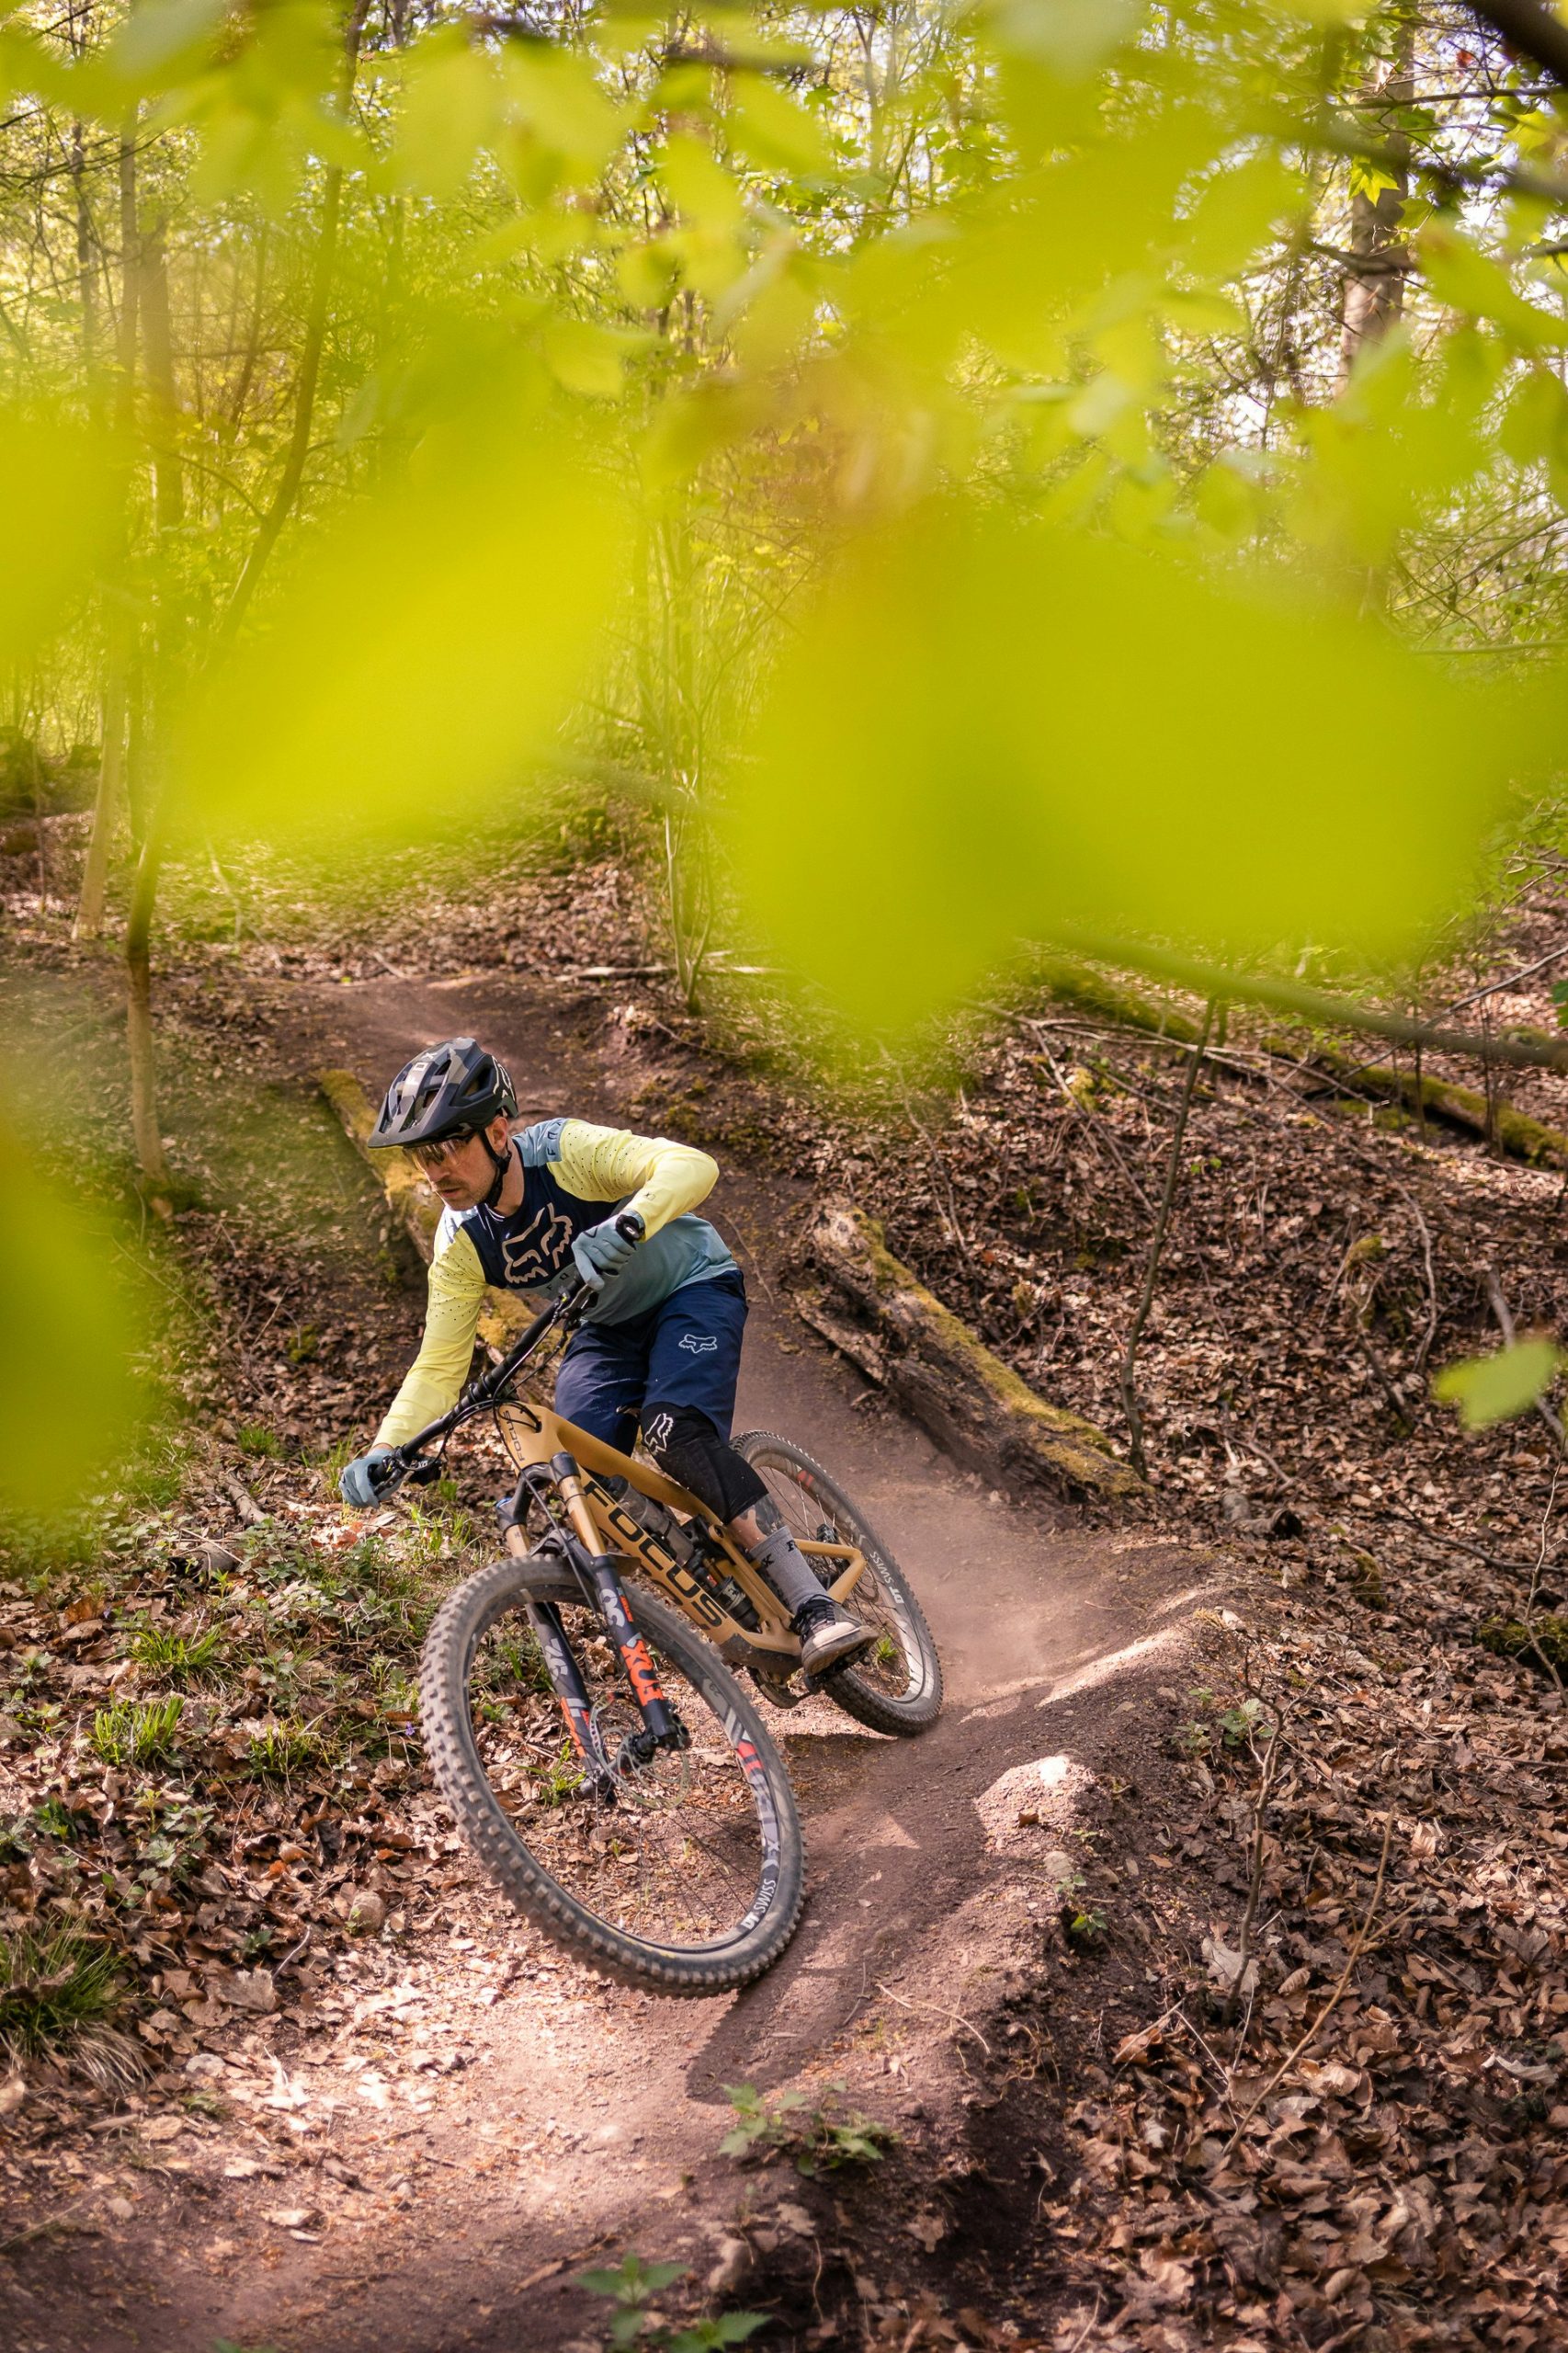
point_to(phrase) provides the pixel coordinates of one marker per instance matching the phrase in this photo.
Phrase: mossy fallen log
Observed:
(874, 1311)
(1439, 1098)
(412, 1204)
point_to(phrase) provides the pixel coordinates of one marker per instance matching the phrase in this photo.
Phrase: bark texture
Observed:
(884, 1320)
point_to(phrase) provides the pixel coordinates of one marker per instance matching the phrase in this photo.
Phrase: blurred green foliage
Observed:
(73, 1316)
(1499, 1388)
(936, 445)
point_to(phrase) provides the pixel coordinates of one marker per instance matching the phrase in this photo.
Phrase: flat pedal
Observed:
(779, 1690)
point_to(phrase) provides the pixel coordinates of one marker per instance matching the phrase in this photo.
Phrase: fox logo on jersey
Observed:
(539, 1252)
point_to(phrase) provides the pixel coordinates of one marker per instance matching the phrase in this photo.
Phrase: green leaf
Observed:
(1070, 37)
(450, 110)
(1498, 1388)
(413, 659)
(1009, 732)
(1459, 274)
(768, 128)
(58, 494)
(587, 358)
(74, 1319)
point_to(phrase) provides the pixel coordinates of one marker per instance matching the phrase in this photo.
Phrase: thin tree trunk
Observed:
(1374, 288)
(89, 922)
(168, 488)
(86, 265)
(107, 806)
(146, 1124)
(253, 342)
(145, 1121)
(287, 490)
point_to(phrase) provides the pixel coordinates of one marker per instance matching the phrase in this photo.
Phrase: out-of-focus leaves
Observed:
(561, 108)
(587, 358)
(1071, 36)
(450, 110)
(773, 132)
(1496, 1388)
(58, 497)
(68, 1397)
(421, 655)
(1459, 273)
(985, 731)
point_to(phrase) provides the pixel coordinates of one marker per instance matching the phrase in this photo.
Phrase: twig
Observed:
(1430, 1334)
(1336, 1997)
(1255, 1887)
(1161, 1225)
(1504, 1315)
(65, 2222)
(1102, 1143)
(936, 2012)
(1550, 1664)
(245, 1502)
(1451, 1543)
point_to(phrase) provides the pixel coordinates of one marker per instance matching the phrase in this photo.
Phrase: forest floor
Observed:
(1208, 1960)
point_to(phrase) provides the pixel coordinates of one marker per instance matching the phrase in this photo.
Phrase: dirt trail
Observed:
(589, 2116)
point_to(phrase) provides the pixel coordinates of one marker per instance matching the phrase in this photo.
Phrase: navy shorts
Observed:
(685, 1351)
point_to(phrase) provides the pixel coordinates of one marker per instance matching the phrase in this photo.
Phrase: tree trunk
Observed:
(89, 920)
(145, 1121)
(1374, 285)
(146, 1124)
(107, 806)
(168, 488)
(283, 497)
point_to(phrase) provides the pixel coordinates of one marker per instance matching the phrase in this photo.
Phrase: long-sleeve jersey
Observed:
(574, 1175)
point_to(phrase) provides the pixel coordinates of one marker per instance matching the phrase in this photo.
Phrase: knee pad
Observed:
(687, 1448)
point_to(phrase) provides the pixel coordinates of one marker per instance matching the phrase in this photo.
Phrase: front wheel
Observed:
(896, 1686)
(681, 1872)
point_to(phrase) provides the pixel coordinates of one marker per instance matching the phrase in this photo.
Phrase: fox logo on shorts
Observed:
(702, 1343)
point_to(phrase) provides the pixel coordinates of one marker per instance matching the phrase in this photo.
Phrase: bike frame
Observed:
(563, 1469)
(536, 1437)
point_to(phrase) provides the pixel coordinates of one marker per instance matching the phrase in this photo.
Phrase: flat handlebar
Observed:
(404, 1462)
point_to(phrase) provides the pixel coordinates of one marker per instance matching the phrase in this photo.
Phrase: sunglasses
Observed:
(431, 1155)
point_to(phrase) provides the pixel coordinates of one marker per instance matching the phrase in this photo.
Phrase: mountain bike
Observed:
(576, 1700)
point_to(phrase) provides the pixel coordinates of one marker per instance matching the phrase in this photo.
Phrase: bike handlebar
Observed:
(404, 1463)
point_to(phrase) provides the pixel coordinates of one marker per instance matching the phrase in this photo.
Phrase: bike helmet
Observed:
(452, 1088)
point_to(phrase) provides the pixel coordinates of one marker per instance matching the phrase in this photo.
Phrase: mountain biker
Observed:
(659, 1345)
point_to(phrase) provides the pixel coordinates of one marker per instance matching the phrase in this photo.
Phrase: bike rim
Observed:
(893, 1668)
(681, 1854)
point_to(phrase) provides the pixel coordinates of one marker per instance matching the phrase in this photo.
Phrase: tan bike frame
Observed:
(534, 1434)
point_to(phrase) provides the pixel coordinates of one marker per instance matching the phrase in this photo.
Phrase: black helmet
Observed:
(446, 1089)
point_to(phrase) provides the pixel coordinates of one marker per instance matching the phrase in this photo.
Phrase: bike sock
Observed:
(786, 1569)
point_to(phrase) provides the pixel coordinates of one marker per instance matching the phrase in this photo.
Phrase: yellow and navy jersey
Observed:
(574, 1176)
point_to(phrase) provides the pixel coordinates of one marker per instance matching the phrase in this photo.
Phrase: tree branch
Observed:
(1311, 1004)
(1530, 29)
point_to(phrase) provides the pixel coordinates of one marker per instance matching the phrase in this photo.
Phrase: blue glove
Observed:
(354, 1482)
(600, 1253)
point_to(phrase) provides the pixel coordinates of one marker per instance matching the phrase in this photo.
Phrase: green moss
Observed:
(1543, 1644)
(1064, 1442)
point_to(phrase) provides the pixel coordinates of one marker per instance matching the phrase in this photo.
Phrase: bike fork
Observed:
(662, 1727)
(570, 1692)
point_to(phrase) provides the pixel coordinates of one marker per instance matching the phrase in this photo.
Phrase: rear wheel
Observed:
(683, 1871)
(896, 1686)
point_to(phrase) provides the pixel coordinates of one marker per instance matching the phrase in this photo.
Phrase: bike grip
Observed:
(630, 1226)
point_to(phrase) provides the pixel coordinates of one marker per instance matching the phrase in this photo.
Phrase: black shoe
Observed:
(828, 1634)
